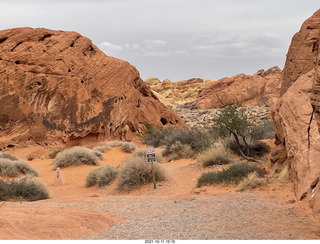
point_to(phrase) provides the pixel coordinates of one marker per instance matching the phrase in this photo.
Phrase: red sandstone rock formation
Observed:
(296, 114)
(251, 90)
(58, 85)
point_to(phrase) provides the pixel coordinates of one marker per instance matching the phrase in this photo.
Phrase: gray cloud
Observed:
(175, 39)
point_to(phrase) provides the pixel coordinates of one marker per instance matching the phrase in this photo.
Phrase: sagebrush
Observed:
(27, 188)
(135, 171)
(12, 168)
(76, 156)
(101, 176)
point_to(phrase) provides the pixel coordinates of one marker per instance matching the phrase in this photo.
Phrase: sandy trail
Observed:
(177, 209)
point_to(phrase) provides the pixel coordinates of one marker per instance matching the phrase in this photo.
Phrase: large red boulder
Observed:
(296, 114)
(250, 90)
(58, 85)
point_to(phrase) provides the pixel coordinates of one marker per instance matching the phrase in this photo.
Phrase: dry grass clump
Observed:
(218, 154)
(7, 156)
(252, 181)
(232, 175)
(12, 168)
(27, 188)
(101, 176)
(76, 156)
(177, 151)
(284, 176)
(126, 146)
(135, 171)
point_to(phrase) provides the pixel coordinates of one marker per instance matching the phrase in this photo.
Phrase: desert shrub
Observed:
(76, 156)
(231, 175)
(218, 154)
(27, 188)
(156, 137)
(8, 156)
(126, 146)
(256, 148)
(198, 140)
(252, 181)
(101, 176)
(263, 131)
(177, 151)
(54, 153)
(12, 168)
(141, 152)
(135, 171)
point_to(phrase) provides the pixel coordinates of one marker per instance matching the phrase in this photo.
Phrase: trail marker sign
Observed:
(151, 158)
(151, 155)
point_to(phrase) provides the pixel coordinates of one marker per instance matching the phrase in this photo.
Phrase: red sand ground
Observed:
(47, 220)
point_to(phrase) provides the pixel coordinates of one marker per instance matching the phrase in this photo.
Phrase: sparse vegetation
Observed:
(218, 154)
(126, 146)
(27, 188)
(101, 176)
(12, 168)
(232, 175)
(283, 175)
(179, 143)
(254, 147)
(252, 181)
(76, 156)
(8, 156)
(135, 171)
(54, 153)
(177, 151)
(263, 131)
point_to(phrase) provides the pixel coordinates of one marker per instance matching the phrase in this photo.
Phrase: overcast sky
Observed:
(175, 39)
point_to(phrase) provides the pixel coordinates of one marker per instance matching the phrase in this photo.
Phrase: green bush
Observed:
(101, 176)
(232, 175)
(256, 148)
(12, 168)
(218, 154)
(135, 171)
(27, 188)
(156, 137)
(76, 156)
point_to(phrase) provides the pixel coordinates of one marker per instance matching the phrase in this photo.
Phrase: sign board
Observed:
(151, 155)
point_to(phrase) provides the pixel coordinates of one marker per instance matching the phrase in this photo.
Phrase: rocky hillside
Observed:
(58, 86)
(251, 90)
(179, 92)
(296, 114)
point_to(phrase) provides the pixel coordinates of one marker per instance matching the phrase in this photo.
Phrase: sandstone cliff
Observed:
(179, 92)
(58, 85)
(251, 90)
(296, 114)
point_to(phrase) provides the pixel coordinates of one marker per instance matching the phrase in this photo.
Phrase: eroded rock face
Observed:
(58, 85)
(178, 92)
(296, 114)
(250, 90)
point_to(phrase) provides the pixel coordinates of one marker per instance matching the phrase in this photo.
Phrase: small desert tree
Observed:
(233, 118)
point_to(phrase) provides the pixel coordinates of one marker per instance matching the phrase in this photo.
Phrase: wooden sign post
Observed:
(151, 158)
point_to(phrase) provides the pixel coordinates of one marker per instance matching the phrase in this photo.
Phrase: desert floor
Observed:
(176, 210)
